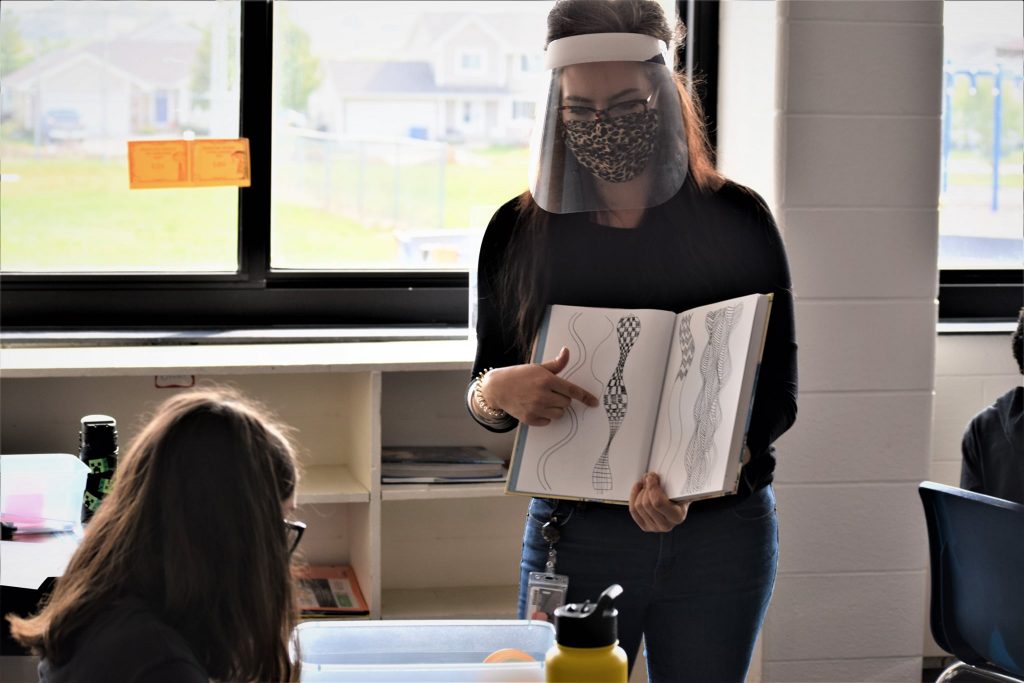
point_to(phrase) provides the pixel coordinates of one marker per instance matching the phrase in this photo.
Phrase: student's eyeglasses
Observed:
(293, 534)
(578, 112)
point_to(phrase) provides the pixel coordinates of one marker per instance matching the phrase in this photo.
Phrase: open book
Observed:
(676, 393)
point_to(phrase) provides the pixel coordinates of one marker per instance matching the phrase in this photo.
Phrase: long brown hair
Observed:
(523, 279)
(193, 526)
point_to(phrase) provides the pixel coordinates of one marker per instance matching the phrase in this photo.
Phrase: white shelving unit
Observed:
(419, 551)
(331, 484)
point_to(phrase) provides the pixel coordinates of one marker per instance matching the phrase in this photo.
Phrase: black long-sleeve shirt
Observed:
(993, 449)
(696, 249)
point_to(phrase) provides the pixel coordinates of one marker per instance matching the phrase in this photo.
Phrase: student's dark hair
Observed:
(193, 527)
(523, 280)
(1017, 341)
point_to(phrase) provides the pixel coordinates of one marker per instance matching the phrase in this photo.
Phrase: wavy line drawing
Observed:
(581, 348)
(597, 349)
(580, 356)
(615, 400)
(715, 368)
(675, 406)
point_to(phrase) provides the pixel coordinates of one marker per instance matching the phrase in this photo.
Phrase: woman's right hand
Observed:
(534, 393)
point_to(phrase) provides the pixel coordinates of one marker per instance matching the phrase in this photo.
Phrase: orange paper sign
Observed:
(188, 163)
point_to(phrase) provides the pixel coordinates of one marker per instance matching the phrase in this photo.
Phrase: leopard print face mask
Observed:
(616, 150)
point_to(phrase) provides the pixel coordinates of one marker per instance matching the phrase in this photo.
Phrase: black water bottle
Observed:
(97, 447)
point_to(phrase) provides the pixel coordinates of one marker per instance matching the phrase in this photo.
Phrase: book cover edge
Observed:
(520, 443)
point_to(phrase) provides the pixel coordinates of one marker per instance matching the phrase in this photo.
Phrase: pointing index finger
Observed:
(567, 388)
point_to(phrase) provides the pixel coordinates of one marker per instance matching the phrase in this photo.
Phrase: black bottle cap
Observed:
(589, 624)
(98, 435)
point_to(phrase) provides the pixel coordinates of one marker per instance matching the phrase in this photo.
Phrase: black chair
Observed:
(976, 544)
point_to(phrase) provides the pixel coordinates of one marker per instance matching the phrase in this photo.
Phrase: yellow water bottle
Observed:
(587, 643)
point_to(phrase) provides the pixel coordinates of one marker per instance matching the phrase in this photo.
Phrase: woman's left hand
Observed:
(651, 509)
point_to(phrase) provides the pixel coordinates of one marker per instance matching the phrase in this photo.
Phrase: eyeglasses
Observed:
(293, 534)
(578, 112)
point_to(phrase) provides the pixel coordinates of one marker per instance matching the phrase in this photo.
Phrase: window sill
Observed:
(178, 361)
(191, 337)
(1001, 328)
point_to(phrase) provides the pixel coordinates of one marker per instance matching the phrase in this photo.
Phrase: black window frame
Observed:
(261, 297)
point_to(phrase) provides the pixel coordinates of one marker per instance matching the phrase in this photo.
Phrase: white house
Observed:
(461, 78)
(127, 86)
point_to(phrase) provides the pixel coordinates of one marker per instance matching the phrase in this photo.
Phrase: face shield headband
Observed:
(611, 136)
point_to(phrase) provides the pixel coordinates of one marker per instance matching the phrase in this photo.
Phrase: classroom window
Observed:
(80, 79)
(361, 212)
(981, 207)
(380, 161)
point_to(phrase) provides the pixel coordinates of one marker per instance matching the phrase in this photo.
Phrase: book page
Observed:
(597, 453)
(701, 396)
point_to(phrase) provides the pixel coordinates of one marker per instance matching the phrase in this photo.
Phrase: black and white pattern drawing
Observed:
(579, 358)
(615, 400)
(715, 368)
(675, 407)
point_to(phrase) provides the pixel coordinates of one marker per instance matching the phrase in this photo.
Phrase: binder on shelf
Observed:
(440, 464)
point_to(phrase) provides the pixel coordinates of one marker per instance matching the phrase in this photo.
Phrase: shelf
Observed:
(330, 484)
(343, 400)
(436, 491)
(337, 617)
(467, 602)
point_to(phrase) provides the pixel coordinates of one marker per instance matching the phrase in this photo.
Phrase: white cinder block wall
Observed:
(856, 151)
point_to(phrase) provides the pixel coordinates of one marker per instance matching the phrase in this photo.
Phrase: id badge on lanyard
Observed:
(546, 590)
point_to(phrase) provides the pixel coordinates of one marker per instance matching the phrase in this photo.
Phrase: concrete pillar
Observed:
(856, 149)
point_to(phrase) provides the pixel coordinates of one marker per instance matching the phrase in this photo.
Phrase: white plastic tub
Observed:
(42, 491)
(435, 650)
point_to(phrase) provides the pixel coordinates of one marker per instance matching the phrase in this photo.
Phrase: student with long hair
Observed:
(184, 572)
(625, 209)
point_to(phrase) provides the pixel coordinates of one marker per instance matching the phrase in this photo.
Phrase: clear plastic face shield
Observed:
(610, 136)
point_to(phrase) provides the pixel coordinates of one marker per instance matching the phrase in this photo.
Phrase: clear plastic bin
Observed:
(435, 650)
(42, 491)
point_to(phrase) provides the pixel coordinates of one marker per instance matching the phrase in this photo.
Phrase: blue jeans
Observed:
(697, 594)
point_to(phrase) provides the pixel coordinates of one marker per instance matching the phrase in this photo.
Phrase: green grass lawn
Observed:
(973, 169)
(329, 211)
(1006, 180)
(78, 214)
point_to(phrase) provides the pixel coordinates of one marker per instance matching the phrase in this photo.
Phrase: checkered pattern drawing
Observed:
(675, 407)
(715, 369)
(615, 399)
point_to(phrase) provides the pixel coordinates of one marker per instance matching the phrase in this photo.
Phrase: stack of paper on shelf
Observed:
(329, 591)
(440, 465)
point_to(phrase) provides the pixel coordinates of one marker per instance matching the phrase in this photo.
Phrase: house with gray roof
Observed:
(133, 85)
(461, 78)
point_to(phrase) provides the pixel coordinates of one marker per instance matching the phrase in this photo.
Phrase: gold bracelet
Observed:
(481, 403)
